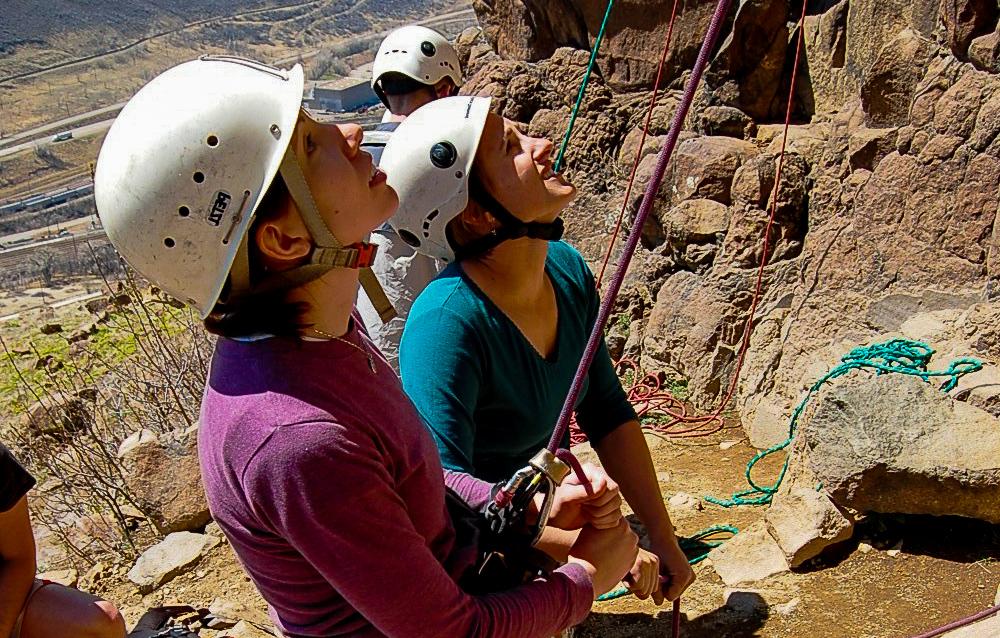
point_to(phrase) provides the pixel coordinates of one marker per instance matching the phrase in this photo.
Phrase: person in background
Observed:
(414, 66)
(504, 326)
(216, 186)
(32, 608)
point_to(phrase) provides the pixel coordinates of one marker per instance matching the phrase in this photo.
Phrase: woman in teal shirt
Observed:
(490, 347)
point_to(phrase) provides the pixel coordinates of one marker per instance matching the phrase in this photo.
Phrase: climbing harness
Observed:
(899, 356)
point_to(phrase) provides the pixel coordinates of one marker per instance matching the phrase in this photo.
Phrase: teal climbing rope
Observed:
(898, 356)
(583, 88)
(696, 548)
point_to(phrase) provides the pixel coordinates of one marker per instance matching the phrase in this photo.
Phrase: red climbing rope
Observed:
(656, 407)
(642, 144)
(712, 422)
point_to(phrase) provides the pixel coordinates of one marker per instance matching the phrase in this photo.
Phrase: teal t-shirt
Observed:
(490, 400)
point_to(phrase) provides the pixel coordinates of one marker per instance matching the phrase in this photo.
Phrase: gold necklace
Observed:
(371, 359)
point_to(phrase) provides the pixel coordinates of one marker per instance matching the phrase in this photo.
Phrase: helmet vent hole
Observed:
(199, 177)
(212, 141)
(427, 48)
(458, 174)
(169, 242)
(409, 237)
(443, 154)
(183, 211)
(434, 213)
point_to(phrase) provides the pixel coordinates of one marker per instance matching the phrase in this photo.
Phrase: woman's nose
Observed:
(541, 148)
(353, 135)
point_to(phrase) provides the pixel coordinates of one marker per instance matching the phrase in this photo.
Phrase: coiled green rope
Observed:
(898, 356)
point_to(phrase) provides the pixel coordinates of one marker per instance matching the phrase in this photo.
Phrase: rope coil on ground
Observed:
(898, 356)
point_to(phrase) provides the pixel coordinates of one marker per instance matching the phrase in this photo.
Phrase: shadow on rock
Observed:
(743, 616)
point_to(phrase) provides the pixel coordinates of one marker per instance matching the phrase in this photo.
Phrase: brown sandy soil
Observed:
(947, 569)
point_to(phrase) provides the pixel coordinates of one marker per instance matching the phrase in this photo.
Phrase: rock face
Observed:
(895, 444)
(174, 555)
(533, 29)
(167, 484)
(886, 211)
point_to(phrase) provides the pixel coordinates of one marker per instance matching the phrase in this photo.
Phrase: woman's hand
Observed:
(573, 507)
(677, 572)
(644, 579)
(605, 554)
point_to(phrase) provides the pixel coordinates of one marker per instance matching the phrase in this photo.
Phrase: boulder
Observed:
(984, 52)
(64, 577)
(964, 20)
(828, 83)
(749, 70)
(889, 87)
(725, 120)
(167, 485)
(51, 328)
(176, 554)
(867, 147)
(804, 522)
(895, 444)
(60, 416)
(134, 440)
(702, 167)
(533, 30)
(750, 556)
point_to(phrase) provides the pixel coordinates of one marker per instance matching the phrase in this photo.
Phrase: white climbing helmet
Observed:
(184, 167)
(419, 53)
(427, 161)
(185, 164)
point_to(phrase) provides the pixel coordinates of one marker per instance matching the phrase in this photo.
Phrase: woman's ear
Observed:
(283, 239)
(471, 224)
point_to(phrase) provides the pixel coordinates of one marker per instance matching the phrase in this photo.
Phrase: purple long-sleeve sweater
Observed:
(331, 492)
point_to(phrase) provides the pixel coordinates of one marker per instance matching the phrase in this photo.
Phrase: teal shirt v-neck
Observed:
(489, 398)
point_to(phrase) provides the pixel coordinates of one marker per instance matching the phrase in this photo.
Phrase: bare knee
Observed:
(107, 621)
(56, 611)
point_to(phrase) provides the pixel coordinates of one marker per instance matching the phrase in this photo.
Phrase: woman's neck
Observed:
(513, 271)
(330, 300)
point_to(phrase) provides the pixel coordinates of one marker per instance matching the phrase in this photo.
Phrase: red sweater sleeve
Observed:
(333, 499)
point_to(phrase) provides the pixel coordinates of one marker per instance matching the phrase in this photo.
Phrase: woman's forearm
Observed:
(625, 457)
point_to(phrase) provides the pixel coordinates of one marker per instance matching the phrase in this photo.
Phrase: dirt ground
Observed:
(946, 569)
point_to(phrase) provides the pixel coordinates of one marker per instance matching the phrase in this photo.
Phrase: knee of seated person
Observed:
(105, 621)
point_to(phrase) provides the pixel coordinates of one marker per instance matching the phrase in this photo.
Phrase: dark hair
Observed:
(266, 313)
(464, 242)
(398, 84)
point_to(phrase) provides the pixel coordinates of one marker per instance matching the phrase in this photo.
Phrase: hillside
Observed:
(67, 31)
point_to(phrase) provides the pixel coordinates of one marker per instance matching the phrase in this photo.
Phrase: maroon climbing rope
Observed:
(710, 423)
(961, 623)
(597, 334)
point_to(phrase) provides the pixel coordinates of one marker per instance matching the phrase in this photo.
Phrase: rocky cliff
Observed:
(888, 199)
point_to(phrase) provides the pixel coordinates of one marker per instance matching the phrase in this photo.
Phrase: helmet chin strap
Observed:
(510, 226)
(327, 252)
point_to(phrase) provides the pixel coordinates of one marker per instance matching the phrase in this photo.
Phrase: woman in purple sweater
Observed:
(217, 187)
